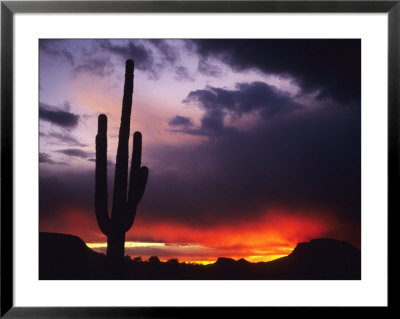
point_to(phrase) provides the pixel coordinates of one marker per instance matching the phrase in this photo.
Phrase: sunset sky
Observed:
(252, 145)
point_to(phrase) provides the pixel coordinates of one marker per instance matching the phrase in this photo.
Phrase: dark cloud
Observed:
(57, 117)
(245, 98)
(181, 121)
(330, 66)
(75, 152)
(308, 162)
(212, 125)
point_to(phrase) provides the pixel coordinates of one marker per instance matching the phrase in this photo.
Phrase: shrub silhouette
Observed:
(138, 259)
(125, 200)
(154, 260)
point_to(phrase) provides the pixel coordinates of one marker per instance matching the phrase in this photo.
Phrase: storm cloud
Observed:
(311, 161)
(246, 98)
(330, 66)
(57, 117)
(219, 103)
(181, 121)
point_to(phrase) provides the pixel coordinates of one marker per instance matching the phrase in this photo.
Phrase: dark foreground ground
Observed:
(67, 257)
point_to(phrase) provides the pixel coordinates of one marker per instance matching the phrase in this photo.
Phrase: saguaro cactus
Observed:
(125, 200)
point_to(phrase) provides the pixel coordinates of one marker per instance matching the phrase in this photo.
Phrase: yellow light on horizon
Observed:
(255, 259)
(128, 244)
(132, 244)
(200, 262)
(260, 256)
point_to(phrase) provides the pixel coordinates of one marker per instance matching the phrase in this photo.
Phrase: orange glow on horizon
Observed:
(273, 235)
(205, 260)
(278, 228)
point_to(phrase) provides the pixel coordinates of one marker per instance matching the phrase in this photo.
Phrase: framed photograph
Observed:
(161, 156)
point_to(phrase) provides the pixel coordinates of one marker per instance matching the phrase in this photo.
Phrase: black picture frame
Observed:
(9, 8)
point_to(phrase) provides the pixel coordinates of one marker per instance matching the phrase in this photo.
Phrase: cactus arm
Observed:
(101, 193)
(121, 166)
(139, 187)
(136, 152)
(139, 175)
(137, 181)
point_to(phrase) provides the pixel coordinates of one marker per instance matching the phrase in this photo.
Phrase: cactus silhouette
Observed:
(125, 199)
